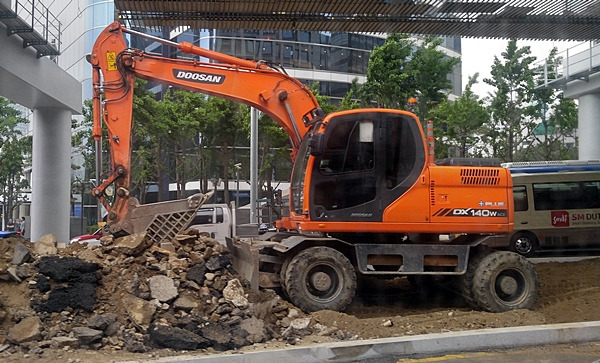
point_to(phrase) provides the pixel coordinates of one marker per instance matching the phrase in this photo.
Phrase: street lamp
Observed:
(237, 167)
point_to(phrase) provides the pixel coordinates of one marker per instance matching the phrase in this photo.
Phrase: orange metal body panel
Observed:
(412, 207)
(470, 208)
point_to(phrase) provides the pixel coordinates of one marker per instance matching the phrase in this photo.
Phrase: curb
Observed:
(417, 345)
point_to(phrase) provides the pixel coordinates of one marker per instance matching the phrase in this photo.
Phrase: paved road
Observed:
(572, 353)
(537, 344)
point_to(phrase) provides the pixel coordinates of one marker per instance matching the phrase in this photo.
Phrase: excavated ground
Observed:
(135, 317)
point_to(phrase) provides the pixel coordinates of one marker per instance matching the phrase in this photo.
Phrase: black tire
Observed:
(524, 243)
(505, 281)
(320, 278)
(465, 282)
(283, 274)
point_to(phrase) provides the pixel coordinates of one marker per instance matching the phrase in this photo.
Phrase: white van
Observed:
(216, 220)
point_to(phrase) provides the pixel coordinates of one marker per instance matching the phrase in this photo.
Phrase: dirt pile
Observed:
(126, 296)
(125, 300)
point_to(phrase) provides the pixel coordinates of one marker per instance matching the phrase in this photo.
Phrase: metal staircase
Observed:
(32, 22)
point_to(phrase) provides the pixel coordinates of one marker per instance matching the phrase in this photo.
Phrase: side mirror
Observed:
(316, 144)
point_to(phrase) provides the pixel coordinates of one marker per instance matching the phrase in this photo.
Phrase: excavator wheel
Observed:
(465, 282)
(282, 275)
(320, 278)
(505, 281)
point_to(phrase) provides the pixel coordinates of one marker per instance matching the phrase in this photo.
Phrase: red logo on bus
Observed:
(560, 218)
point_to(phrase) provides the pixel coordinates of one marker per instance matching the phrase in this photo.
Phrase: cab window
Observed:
(206, 216)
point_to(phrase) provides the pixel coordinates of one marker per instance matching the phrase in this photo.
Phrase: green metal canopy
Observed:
(522, 19)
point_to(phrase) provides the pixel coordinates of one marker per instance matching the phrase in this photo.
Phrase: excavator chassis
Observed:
(321, 273)
(260, 260)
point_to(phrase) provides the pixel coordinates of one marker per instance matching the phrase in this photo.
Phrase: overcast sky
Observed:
(478, 56)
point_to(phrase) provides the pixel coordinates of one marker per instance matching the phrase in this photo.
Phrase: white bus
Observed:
(557, 206)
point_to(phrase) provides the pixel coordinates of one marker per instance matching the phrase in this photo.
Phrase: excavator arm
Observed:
(115, 67)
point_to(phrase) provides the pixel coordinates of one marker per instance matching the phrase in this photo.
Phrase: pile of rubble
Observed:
(182, 295)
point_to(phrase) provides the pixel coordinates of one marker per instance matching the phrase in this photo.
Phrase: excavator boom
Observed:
(115, 66)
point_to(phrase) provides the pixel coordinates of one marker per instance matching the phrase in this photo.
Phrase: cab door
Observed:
(368, 160)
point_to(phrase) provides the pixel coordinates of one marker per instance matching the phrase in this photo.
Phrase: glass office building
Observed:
(332, 59)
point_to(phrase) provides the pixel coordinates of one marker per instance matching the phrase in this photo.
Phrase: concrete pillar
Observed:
(589, 126)
(51, 175)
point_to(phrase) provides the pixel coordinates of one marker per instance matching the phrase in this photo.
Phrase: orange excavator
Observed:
(366, 197)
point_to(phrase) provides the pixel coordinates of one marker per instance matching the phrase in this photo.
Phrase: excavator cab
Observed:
(362, 162)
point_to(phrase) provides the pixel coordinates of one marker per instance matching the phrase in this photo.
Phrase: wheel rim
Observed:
(322, 281)
(510, 286)
(523, 245)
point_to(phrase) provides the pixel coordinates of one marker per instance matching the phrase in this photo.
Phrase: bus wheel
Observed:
(505, 281)
(320, 278)
(524, 243)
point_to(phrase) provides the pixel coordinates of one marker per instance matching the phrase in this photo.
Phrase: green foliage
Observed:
(350, 100)
(401, 69)
(458, 123)
(512, 77)
(390, 77)
(555, 131)
(431, 67)
(324, 101)
(14, 153)
(222, 127)
(178, 116)
(555, 118)
(9, 119)
(82, 141)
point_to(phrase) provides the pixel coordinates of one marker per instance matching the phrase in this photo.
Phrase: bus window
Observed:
(520, 196)
(592, 194)
(565, 195)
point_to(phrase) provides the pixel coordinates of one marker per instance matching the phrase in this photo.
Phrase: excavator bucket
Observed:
(164, 220)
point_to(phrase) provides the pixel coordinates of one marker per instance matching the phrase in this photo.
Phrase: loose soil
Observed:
(569, 292)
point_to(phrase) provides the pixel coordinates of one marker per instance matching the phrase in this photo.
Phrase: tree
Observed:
(430, 68)
(457, 123)
(222, 127)
(556, 119)
(180, 112)
(350, 100)
(390, 78)
(9, 119)
(400, 69)
(512, 78)
(14, 148)
(557, 132)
